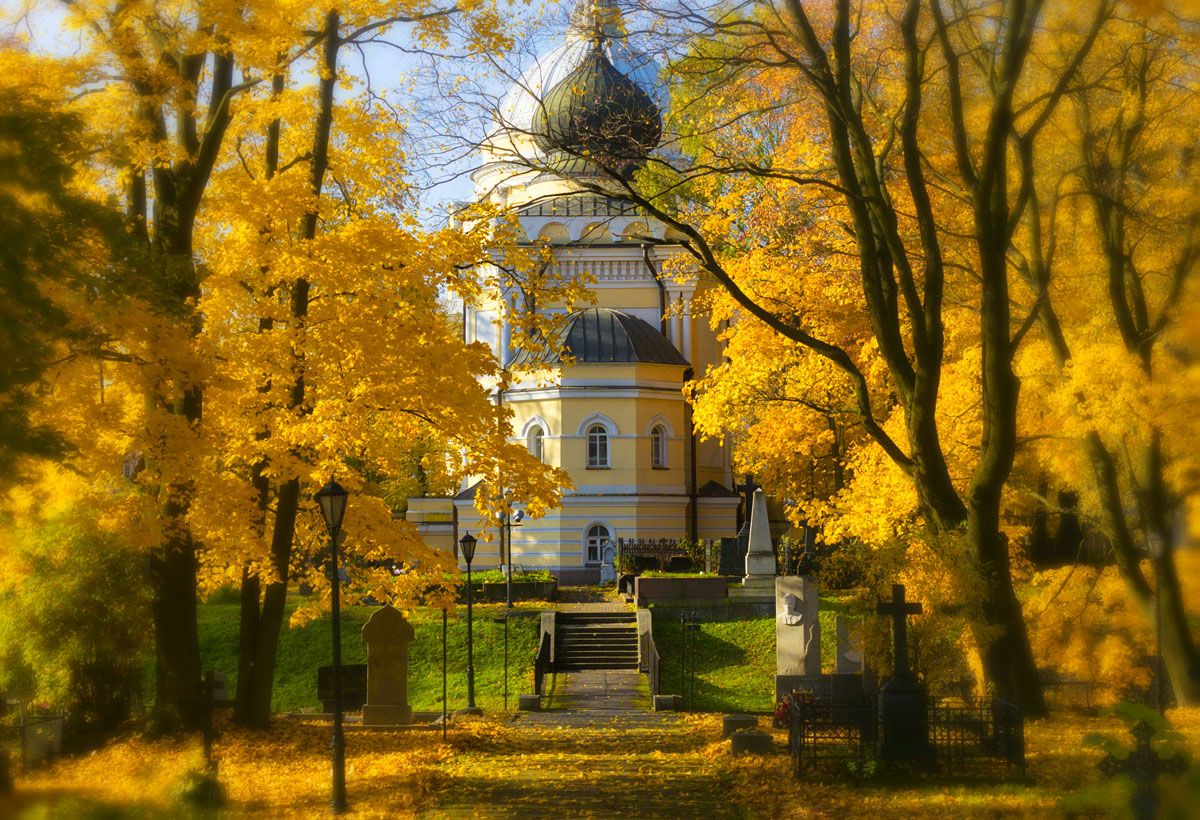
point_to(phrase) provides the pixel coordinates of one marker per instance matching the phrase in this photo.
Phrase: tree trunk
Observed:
(271, 621)
(268, 624)
(176, 643)
(243, 709)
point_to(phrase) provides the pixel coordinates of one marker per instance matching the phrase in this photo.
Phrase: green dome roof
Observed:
(597, 112)
(602, 336)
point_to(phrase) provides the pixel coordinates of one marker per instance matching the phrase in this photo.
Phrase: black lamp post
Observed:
(332, 498)
(467, 543)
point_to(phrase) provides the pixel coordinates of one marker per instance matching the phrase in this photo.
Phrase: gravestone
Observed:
(905, 703)
(760, 555)
(608, 569)
(387, 634)
(758, 585)
(849, 649)
(1143, 766)
(733, 553)
(749, 741)
(797, 634)
(354, 686)
(737, 723)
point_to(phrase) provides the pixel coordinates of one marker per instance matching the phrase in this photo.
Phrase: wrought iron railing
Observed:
(543, 663)
(663, 553)
(33, 739)
(958, 736)
(648, 656)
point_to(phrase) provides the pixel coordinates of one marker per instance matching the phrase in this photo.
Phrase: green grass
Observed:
(495, 576)
(303, 649)
(735, 660)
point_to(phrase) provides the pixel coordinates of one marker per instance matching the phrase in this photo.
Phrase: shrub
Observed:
(75, 618)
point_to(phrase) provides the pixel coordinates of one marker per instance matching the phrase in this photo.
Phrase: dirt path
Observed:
(604, 756)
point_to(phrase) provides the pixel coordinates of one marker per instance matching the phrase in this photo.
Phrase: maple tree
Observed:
(289, 324)
(860, 179)
(856, 90)
(1111, 251)
(984, 193)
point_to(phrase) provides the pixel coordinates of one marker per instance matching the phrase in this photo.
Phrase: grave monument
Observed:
(849, 649)
(905, 702)
(608, 569)
(797, 633)
(759, 582)
(387, 634)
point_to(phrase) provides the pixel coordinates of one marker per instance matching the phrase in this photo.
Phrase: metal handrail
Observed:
(543, 663)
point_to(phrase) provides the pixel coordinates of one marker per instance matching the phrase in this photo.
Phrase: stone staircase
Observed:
(595, 640)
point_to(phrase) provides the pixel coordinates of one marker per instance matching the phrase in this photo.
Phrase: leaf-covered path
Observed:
(597, 751)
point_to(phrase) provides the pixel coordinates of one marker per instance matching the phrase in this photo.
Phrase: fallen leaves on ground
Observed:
(492, 768)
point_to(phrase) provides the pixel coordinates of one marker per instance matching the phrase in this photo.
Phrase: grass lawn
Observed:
(303, 649)
(735, 660)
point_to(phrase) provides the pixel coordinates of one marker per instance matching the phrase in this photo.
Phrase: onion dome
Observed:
(597, 113)
(602, 336)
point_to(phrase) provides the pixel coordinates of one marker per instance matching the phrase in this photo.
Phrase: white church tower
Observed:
(614, 415)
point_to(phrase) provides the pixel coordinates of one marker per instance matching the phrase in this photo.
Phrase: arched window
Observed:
(658, 446)
(536, 443)
(597, 537)
(597, 446)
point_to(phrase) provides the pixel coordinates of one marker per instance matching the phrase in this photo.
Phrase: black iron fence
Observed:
(33, 739)
(678, 554)
(847, 736)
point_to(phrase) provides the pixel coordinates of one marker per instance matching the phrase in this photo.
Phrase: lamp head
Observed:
(467, 544)
(332, 498)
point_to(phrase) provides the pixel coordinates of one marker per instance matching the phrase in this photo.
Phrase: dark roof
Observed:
(599, 335)
(597, 112)
(469, 493)
(715, 490)
(579, 204)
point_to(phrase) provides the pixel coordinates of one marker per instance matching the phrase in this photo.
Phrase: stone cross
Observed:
(1143, 766)
(387, 634)
(899, 609)
(747, 488)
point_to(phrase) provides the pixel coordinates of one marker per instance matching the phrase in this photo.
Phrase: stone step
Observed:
(608, 637)
(599, 632)
(595, 651)
(573, 666)
(588, 657)
(595, 617)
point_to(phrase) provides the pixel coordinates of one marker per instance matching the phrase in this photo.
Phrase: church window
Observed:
(597, 446)
(537, 443)
(658, 447)
(597, 537)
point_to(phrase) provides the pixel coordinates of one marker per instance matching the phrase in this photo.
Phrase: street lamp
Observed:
(332, 498)
(467, 543)
(506, 525)
(509, 520)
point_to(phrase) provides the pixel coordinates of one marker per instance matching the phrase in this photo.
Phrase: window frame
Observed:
(601, 541)
(536, 443)
(658, 447)
(597, 444)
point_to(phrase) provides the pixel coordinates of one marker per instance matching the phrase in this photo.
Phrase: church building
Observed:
(612, 413)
